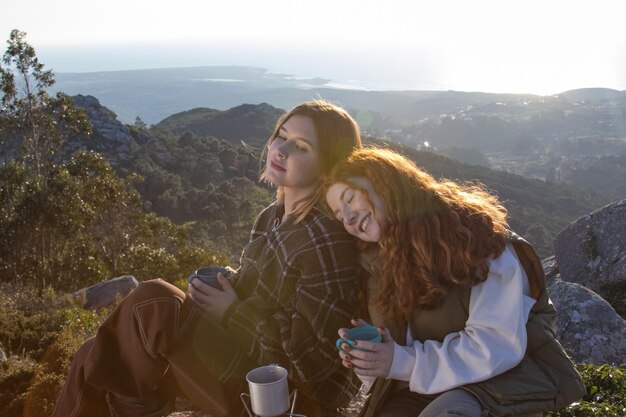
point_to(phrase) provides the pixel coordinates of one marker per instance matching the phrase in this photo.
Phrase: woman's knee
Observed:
(454, 403)
(155, 288)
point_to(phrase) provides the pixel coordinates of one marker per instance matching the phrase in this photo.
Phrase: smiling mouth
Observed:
(364, 222)
(276, 166)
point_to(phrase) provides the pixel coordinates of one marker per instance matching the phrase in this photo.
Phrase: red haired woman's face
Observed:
(358, 207)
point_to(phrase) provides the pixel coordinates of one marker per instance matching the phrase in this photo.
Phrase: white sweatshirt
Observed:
(492, 342)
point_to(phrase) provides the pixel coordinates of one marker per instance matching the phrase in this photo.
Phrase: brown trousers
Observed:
(156, 345)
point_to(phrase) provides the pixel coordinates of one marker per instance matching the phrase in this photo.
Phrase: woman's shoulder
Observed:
(317, 229)
(369, 258)
(322, 240)
(266, 218)
(265, 221)
(317, 218)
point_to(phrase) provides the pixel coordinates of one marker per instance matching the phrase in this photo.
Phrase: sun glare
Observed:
(498, 46)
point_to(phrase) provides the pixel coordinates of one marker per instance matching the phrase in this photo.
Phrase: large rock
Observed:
(105, 124)
(587, 326)
(105, 293)
(592, 252)
(109, 136)
(550, 269)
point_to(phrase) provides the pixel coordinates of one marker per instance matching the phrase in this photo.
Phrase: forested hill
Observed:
(252, 123)
(213, 183)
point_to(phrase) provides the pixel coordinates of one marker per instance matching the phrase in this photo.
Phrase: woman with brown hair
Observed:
(460, 301)
(297, 282)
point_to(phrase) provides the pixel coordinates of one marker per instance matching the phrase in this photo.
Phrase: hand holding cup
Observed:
(208, 275)
(365, 333)
(366, 349)
(212, 291)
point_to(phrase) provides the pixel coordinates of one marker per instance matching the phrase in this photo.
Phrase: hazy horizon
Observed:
(371, 71)
(529, 46)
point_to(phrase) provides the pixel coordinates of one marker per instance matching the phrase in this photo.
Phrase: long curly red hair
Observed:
(436, 235)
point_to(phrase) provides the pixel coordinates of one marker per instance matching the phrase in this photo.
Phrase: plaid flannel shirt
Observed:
(297, 285)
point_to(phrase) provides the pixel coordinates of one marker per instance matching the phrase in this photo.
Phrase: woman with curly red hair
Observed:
(460, 300)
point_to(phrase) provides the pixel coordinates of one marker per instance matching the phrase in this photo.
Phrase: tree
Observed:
(140, 124)
(69, 222)
(33, 125)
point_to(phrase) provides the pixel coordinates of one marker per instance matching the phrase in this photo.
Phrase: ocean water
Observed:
(369, 69)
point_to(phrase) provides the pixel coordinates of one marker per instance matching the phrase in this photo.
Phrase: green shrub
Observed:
(40, 337)
(145, 262)
(28, 320)
(50, 374)
(606, 393)
(15, 376)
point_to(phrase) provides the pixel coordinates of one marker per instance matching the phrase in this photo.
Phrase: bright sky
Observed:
(537, 46)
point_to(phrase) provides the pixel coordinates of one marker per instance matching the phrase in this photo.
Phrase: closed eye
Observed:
(350, 196)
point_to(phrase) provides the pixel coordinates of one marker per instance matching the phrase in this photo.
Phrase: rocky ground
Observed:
(187, 409)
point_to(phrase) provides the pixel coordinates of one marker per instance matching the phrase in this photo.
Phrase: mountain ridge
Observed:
(248, 122)
(538, 209)
(154, 94)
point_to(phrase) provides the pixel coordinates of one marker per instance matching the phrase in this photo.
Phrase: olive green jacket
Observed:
(545, 379)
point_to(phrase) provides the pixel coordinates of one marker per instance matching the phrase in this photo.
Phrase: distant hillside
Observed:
(564, 138)
(251, 123)
(594, 94)
(194, 177)
(154, 94)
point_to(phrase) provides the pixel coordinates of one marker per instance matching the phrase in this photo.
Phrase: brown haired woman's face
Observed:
(358, 207)
(293, 159)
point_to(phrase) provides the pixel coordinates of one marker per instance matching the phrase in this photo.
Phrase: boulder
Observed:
(591, 251)
(104, 293)
(587, 326)
(110, 137)
(550, 269)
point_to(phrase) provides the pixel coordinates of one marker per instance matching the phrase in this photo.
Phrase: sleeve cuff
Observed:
(229, 312)
(367, 381)
(402, 364)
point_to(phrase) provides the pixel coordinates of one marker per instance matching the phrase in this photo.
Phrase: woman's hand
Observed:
(376, 361)
(213, 301)
(343, 332)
